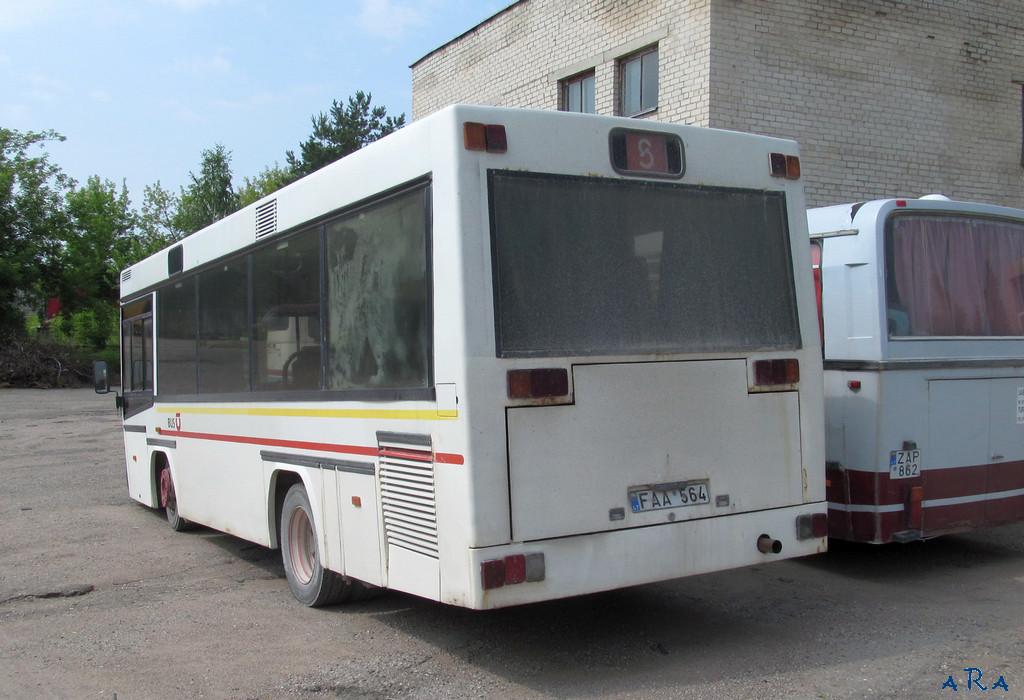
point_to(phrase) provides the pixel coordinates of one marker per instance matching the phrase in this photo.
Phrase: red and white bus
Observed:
(922, 307)
(499, 356)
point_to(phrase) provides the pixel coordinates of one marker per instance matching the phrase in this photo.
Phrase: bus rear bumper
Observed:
(596, 562)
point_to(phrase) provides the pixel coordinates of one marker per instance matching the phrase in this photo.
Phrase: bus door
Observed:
(137, 390)
(974, 435)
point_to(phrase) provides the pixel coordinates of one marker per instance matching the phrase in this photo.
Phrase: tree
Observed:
(210, 197)
(269, 181)
(343, 130)
(101, 232)
(33, 221)
(156, 224)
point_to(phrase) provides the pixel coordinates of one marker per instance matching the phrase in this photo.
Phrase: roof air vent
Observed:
(266, 218)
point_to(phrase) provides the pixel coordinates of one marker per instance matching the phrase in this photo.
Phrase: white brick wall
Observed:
(886, 97)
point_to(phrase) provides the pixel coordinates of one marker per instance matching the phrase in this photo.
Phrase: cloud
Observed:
(14, 114)
(387, 20)
(189, 5)
(217, 65)
(18, 14)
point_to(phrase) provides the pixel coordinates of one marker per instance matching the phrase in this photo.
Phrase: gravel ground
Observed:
(100, 599)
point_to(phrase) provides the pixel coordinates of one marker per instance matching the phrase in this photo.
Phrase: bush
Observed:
(43, 363)
(93, 327)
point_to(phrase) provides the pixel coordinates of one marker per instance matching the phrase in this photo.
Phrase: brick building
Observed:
(886, 97)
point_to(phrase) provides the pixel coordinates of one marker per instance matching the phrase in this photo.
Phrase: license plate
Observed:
(675, 495)
(904, 464)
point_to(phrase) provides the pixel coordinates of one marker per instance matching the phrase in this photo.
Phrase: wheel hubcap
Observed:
(302, 546)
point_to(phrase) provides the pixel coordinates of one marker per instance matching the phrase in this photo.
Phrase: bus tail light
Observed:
(812, 525)
(775, 373)
(513, 569)
(781, 165)
(914, 507)
(538, 383)
(484, 137)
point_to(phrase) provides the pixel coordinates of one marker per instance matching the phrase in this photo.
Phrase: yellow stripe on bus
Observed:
(381, 414)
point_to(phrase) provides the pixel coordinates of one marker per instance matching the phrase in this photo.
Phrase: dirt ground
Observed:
(99, 598)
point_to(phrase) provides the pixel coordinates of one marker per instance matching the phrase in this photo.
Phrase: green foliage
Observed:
(102, 226)
(155, 225)
(59, 239)
(33, 222)
(92, 328)
(344, 130)
(98, 242)
(210, 197)
(267, 182)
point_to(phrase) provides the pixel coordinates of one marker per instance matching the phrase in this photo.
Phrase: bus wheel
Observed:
(169, 501)
(311, 583)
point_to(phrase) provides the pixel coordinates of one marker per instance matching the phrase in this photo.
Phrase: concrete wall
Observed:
(886, 97)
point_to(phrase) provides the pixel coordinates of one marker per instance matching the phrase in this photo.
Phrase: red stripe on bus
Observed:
(876, 488)
(440, 458)
(858, 488)
(446, 458)
(415, 455)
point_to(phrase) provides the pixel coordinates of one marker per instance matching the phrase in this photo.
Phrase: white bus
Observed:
(923, 320)
(532, 355)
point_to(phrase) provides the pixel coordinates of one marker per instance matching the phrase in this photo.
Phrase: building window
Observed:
(578, 93)
(639, 82)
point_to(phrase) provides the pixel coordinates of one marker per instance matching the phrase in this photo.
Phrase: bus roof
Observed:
(434, 144)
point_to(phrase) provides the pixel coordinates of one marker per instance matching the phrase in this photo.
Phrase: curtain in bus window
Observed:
(224, 328)
(176, 338)
(1005, 256)
(601, 266)
(955, 277)
(378, 297)
(286, 308)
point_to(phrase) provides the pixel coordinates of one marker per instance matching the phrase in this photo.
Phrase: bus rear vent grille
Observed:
(407, 492)
(266, 218)
(126, 275)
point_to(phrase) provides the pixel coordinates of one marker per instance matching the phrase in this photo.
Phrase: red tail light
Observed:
(538, 383)
(776, 372)
(812, 525)
(513, 569)
(914, 509)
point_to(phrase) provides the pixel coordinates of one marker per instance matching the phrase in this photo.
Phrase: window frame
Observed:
(316, 225)
(579, 79)
(637, 58)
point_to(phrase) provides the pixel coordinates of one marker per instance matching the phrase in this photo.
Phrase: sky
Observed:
(140, 88)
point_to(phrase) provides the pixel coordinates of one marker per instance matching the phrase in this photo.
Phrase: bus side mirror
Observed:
(101, 380)
(101, 377)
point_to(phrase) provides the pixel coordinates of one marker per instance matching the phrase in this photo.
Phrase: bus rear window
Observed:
(588, 266)
(954, 276)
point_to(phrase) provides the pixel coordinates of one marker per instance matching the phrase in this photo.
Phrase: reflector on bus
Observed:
(485, 137)
(776, 372)
(538, 383)
(781, 165)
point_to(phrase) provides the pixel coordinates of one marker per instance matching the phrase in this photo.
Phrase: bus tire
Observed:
(311, 584)
(169, 501)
